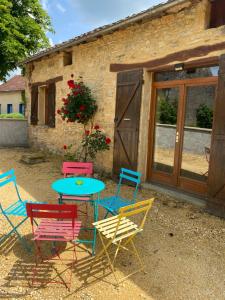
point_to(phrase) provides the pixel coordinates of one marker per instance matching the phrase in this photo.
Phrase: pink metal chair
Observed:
(58, 224)
(70, 169)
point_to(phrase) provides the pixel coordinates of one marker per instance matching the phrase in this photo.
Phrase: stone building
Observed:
(134, 68)
(11, 99)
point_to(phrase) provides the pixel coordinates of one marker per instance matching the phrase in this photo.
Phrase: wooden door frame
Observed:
(162, 177)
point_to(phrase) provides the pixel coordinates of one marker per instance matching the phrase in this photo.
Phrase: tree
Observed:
(23, 27)
(204, 116)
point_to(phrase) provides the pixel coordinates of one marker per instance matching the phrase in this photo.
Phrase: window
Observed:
(9, 108)
(43, 104)
(67, 58)
(22, 108)
(217, 14)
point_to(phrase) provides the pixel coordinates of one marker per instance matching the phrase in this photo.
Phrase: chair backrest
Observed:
(207, 153)
(7, 178)
(51, 211)
(77, 168)
(141, 207)
(132, 177)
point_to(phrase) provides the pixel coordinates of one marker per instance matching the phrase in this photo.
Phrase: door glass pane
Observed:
(197, 132)
(165, 129)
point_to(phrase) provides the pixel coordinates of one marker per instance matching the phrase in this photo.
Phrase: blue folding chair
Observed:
(17, 209)
(112, 204)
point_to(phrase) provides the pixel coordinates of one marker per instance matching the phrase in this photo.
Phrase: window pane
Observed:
(165, 129)
(187, 74)
(197, 132)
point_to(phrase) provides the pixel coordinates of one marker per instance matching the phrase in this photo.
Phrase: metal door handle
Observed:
(177, 137)
(126, 119)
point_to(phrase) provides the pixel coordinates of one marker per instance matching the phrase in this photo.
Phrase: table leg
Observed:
(60, 199)
(95, 203)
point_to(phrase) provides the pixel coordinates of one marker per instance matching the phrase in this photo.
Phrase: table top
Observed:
(77, 186)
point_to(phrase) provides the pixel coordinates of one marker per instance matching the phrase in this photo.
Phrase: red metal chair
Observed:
(76, 169)
(58, 224)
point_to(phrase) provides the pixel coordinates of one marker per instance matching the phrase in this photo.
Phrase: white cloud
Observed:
(51, 42)
(44, 4)
(60, 7)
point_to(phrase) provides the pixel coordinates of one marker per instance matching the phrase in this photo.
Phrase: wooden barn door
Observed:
(216, 180)
(127, 117)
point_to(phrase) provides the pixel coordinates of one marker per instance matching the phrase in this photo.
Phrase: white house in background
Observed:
(11, 94)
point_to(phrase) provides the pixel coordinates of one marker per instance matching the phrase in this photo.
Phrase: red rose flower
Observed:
(76, 93)
(71, 84)
(66, 112)
(87, 132)
(78, 115)
(96, 127)
(58, 111)
(64, 147)
(82, 107)
(107, 140)
(68, 95)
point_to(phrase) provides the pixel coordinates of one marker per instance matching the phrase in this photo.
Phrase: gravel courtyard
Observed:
(182, 247)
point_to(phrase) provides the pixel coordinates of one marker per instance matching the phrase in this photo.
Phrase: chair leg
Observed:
(14, 229)
(104, 250)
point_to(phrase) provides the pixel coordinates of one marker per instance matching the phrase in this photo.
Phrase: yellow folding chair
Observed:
(120, 231)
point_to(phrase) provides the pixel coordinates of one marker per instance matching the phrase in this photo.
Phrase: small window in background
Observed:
(21, 108)
(67, 58)
(9, 108)
(217, 14)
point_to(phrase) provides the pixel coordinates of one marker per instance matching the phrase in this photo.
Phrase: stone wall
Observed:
(182, 28)
(13, 133)
(195, 139)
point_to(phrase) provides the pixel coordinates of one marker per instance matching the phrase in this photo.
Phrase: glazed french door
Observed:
(180, 132)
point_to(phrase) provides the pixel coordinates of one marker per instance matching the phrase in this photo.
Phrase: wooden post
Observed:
(216, 180)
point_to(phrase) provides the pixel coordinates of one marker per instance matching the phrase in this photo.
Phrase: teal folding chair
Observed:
(113, 203)
(17, 209)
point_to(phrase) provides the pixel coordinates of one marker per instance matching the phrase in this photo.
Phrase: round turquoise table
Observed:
(81, 186)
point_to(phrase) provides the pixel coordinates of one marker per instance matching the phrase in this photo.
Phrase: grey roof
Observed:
(153, 12)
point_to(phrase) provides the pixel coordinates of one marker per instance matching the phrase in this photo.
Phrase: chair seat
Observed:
(114, 203)
(109, 226)
(75, 198)
(56, 230)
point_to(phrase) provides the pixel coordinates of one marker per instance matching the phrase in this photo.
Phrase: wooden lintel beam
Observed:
(55, 79)
(181, 56)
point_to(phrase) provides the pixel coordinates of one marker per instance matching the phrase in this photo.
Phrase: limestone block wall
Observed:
(182, 28)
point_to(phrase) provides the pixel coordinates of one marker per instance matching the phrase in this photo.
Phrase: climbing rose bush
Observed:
(79, 105)
(94, 141)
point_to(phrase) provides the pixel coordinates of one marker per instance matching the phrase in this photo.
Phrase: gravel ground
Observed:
(182, 247)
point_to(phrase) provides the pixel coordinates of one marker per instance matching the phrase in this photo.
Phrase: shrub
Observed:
(167, 112)
(204, 116)
(79, 105)
(12, 116)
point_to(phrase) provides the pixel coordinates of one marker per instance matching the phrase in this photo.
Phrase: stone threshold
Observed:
(179, 195)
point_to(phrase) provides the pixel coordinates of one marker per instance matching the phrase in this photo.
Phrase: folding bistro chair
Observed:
(74, 169)
(58, 224)
(120, 232)
(17, 209)
(112, 204)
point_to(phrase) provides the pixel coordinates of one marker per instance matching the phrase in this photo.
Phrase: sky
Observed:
(74, 17)
(71, 18)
